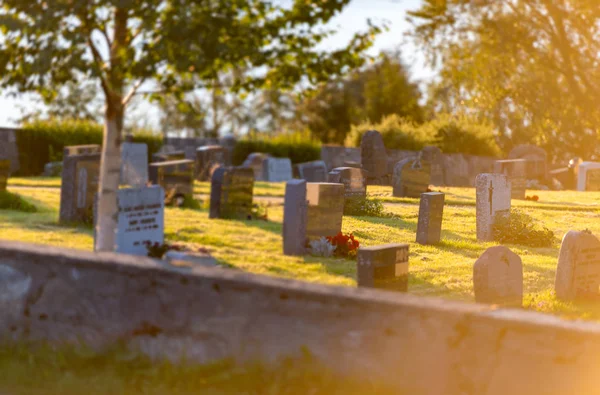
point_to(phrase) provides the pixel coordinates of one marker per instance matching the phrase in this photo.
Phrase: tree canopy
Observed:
(531, 66)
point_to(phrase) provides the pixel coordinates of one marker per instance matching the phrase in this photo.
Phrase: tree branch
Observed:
(132, 92)
(99, 64)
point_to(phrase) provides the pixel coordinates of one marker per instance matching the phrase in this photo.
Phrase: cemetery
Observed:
(209, 198)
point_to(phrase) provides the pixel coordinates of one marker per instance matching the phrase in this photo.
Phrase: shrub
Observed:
(42, 141)
(452, 134)
(12, 201)
(299, 147)
(520, 228)
(365, 207)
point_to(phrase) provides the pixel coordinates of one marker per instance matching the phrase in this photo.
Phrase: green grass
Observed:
(444, 270)
(75, 371)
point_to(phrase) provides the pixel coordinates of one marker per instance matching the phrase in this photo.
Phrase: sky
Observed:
(350, 21)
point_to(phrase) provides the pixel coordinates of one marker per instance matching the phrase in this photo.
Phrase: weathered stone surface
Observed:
(190, 259)
(431, 212)
(231, 193)
(255, 162)
(578, 271)
(315, 171)
(516, 171)
(536, 158)
(80, 178)
(353, 179)
(81, 150)
(411, 177)
(141, 219)
(14, 289)
(206, 315)
(208, 159)
(588, 176)
(498, 277)
(175, 177)
(134, 164)
(325, 209)
(383, 266)
(492, 201)
(435, 157)
(295, 216)
(373, 154)
(168, 156)
(8, 148)
(4, 173)
(277, 169)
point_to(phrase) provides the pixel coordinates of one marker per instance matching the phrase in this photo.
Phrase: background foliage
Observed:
(299, 147)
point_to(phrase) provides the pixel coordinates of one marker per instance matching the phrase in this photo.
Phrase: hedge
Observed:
(42, 141)
(452, 134)
(299, 147)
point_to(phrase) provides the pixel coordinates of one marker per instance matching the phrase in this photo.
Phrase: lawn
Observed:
(444, 270)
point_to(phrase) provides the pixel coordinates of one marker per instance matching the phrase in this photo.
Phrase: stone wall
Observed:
(417, 345)
(459, 169)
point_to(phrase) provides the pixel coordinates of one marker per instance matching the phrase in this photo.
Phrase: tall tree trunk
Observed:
(110, 172)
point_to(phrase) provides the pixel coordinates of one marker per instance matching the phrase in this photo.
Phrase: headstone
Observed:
(231, 193)
(588, 176)
(578, 271)
(175, 177)
(536, 157)
(411, 177)
(384, 267)
(353, 179)
(515, 170)
(373, 154)
(228, 143)
(431, 212)
(255, 162)
(141, 219)
(492, 202)
(134, 164)
(79, 185)
(295, 214)
(8, 148)
(208, 159)
(434, 156)
(277, 169)
(315, 171)
(81, 150)
(325, 209)
(53, 169)
(4, 173)
(168, 156)
(498, 277)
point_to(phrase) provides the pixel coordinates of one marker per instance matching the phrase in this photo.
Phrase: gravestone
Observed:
(295, 214)
(325, 209)
(81, 150)
(588, 176)
(141, 219)
(231, 193)
(228, 143)
(373, 154)
(255, 162)
(353, 179)
(134, 164)
(79, 185)
(383, 267)
(175, 177)
(431, 212)
(411, 177)
(8, 148)
(578, 271)
(4, 173)
(315, 171)
(536, 157)
(168, 156)
(498, 277)
(434, 156)
(515, 170)
(492, 202)
(277, 169)
(208, 159)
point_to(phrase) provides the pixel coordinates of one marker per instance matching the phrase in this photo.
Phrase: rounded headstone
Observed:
(578, 270)
(498, 277)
